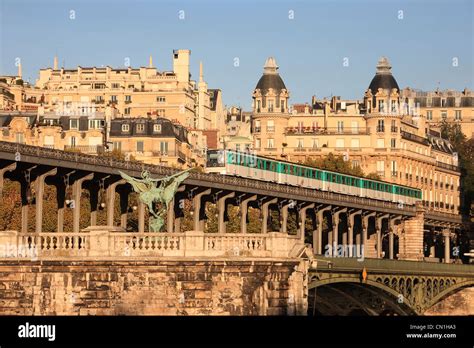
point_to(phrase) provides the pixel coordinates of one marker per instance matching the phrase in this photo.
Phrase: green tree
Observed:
(334, 163)
(465, 150)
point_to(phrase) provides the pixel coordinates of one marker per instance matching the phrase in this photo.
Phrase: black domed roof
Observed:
(383, 81)
(383, 77)
(270, 81)
(270, 77)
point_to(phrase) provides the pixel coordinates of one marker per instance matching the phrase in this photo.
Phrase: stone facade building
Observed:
(450, 106)
(381, 134)
(70, 98)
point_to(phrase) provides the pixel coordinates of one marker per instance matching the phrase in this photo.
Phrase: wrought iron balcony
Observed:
(447, 166)
(324, 131)
(414, 137)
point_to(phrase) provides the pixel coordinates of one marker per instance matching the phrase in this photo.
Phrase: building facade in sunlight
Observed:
(78, 108)
(381, 134)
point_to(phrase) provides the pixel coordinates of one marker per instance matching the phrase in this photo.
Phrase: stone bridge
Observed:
(111, 270)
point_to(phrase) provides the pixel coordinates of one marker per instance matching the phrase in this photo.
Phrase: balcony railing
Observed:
(324, 131)
(414, 137)
(394, 129)
(447, 166)
(380, 129)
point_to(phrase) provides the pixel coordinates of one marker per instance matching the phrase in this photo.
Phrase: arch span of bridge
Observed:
(376, 287)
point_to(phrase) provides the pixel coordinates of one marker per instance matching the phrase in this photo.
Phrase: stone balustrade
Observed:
(102, 242)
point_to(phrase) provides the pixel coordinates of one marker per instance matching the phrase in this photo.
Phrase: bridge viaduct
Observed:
(290, 262)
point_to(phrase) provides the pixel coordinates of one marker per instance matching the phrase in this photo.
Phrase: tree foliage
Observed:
(334, 163)
(465, 150)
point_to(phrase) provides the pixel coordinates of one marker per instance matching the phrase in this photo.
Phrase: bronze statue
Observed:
(150, 193)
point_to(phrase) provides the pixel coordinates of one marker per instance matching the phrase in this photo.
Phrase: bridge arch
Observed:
(450, 290)
(370, 296)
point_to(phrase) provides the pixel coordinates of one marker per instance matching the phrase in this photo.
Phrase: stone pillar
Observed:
(378, 228)
(141, 216)
(365, 227)
(391, 237)
(318, 233)
(447, 246)
(265, 214)
(335, 230)
(244, 212)
(111, 200)
(302, 220)
(170, 217)
(433, 245)
(350, 230)
(197, 208)
(77, 192)
(173, 224)
(8, 168)
(39, 188)
(221, 206)
(284, 219)
(411, 240)
(25, 183)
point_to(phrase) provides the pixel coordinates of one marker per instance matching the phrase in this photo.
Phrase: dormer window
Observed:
(157, 128)
(125, 128)
(140, 128)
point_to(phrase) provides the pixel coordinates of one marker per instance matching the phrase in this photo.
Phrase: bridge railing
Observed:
(100, 243)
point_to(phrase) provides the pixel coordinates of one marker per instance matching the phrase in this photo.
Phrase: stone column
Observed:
(77, 192)
(111, 200)
(350, 230)
(39, 188)
(244, 212)
(365, 227)
(433, 245)
(25, 183)
(171, 220)
(447, 246)
(378, 228)
(411, 240)
(265, 214)
(8, 168)
(284, 219)
(302, 218)
(335, 229)
(221, 206)
(197, 208)
(391, 237)
(318, 233)
(141, 216)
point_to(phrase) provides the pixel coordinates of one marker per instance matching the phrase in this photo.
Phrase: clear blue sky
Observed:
(309, 48)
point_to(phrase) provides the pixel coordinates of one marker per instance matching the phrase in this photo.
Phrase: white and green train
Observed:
(267, 169)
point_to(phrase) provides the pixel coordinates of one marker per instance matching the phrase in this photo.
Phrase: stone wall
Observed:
(178, 287)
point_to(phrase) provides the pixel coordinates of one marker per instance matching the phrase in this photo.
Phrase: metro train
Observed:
(251, 166)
